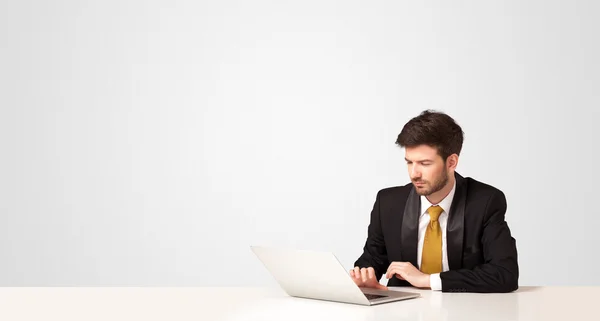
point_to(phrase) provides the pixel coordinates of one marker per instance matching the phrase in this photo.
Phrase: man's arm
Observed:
(374, 252)
(500, 271)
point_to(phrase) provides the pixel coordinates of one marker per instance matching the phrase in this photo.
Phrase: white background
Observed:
(151, 142)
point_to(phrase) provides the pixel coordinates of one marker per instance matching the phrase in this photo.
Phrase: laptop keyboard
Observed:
(374, 296)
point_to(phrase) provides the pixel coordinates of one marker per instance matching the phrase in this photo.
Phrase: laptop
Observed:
(320, 276)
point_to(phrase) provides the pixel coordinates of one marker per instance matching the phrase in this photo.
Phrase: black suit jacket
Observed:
(482, 254)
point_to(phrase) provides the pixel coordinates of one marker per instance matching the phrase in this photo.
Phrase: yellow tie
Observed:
(431, 259)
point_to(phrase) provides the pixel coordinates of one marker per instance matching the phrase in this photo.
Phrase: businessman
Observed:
(441, 231)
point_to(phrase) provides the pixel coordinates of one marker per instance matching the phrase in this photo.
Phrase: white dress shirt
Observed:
(434, 279)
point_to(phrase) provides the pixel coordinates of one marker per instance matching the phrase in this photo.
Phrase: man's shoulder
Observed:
(478, 188)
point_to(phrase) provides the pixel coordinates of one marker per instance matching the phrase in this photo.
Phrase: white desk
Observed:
(65, 304)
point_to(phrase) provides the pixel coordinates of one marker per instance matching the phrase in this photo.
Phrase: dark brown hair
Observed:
(435, 129)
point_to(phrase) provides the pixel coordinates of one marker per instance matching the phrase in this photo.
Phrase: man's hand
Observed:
(366, 278)
(406, 271)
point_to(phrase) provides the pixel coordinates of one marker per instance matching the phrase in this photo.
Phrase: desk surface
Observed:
(528, 303)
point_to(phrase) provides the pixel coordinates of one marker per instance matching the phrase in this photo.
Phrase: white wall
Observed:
(151, 142)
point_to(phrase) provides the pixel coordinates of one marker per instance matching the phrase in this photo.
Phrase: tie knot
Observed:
(435, 212)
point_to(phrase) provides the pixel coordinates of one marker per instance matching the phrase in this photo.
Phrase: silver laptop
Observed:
(320, 276)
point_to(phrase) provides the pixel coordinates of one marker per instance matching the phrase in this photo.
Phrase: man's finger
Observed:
(395, 271)
(363, 274)
(389, 273)
(357, 272)
(371, 273)
(396, 264)
(400, 273)
(399, 264)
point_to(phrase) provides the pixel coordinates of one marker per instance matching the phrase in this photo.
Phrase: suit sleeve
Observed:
(500, 270)
(374, 251)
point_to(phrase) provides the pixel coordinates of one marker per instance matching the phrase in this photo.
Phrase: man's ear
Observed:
(452, 161)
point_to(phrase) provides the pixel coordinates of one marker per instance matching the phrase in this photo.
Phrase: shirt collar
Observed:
(445, 203)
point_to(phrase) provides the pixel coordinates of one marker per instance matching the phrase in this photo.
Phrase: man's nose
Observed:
(415, 173)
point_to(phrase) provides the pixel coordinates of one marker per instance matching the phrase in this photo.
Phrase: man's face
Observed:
(426, 168)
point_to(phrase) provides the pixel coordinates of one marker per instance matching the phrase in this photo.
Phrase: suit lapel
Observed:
(410, 228)
(456, 224)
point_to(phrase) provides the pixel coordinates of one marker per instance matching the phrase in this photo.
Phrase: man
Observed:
(442, 231)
